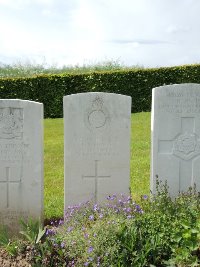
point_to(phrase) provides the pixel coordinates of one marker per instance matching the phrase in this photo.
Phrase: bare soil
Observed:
(20, 261)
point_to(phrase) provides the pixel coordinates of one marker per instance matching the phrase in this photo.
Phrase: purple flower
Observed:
(111, 197)
(101, 216)
(50, 232)
(62, 245)
(120, 201)
(145, 197)
(128, 210)
(96, 208)
(61, 222)
(91, 217)
(137, 207)
(86, 235)
(90, 249)
(86, 263)
(129, 198)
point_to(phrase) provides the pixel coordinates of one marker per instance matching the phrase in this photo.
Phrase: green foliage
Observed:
(32, 231)
(11, 247)
(159, 231)
(138, 83)
(89, 234)
(166, 234)
(4, 237)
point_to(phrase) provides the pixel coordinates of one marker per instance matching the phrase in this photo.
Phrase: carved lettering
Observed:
(95, 146)
(14, 152)
(180, 105)
(9, 216)
(180, 100)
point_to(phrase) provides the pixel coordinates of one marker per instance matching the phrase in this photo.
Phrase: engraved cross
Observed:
(96, 177)
(7, 181)
(187, 126)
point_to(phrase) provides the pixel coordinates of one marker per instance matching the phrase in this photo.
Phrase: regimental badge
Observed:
(186, 146)
(11, 123)
(97, 116)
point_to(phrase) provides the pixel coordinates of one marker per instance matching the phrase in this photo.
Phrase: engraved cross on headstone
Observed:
(186, 146)
(8, 181)
(96, 177)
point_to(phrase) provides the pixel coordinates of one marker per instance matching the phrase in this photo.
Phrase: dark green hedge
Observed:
(50, 89)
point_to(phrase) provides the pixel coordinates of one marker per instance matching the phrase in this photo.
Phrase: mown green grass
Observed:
(140, 153)
(53, 167)
(54, 163)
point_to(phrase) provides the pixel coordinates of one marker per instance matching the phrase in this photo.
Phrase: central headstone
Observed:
(176, 136)
(97, 146)
(21, 162)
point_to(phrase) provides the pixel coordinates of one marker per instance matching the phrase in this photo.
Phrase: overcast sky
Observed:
(150, 33)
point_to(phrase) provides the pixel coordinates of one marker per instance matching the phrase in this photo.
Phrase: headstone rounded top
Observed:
(18, 102)
(96, 93)
(177, 86)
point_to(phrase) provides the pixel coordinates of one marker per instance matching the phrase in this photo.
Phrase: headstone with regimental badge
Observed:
(97, 146)
(175, 126)
(21, 162)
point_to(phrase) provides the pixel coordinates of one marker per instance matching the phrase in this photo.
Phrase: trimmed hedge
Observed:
(50, 89)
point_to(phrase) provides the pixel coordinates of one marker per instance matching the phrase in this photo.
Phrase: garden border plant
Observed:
(158, 231)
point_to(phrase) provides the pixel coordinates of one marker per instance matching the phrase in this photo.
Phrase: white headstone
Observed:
(21, 161)
(176, 136)
(97, 146)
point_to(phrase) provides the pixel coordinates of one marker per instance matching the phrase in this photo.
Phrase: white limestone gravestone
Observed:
(175, 126)
(21, 161)
(97, 146)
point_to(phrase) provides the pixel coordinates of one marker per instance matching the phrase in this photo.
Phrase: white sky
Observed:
(150, 33)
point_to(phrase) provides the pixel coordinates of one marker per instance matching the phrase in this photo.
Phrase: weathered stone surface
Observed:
(176, 136)
(21, 161)
(97, 146)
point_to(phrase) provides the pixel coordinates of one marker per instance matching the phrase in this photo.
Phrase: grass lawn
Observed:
(54, 163)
